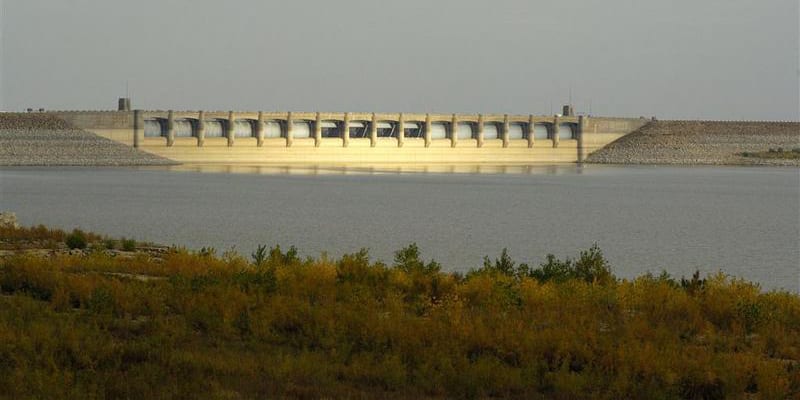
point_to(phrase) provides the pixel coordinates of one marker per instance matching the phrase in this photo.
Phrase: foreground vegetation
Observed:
(779, 153)
(200, 325)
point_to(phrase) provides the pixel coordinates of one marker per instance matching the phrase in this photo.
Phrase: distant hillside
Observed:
(702, 142)
(43, 140)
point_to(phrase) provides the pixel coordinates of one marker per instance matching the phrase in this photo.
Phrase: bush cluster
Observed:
(779, 152)
(76, 240)
(43, 237)
(197, 325)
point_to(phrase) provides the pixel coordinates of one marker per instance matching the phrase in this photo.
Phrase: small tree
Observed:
(590, 267)
(504, 265)
(278, 257)
(128, 244)
(695, 285)
(408, 259)
(260, 255)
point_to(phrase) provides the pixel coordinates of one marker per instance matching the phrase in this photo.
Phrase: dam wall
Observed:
(114, 125)
(232, 137)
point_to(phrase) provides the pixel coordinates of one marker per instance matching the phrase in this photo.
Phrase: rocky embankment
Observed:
(702, 143)
(42, 140)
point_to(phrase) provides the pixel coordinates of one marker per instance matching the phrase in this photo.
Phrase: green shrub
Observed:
(591, 267)
(277, 257)
(128, 244)
(110, 244)
(260, 255)
(207, 252)
(101, 301)
(76, 240)
(357, 269)
(263, 280)
(408, 259)
(503, 265)
(694, 285)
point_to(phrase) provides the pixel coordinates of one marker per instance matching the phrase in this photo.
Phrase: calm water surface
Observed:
(742, 221)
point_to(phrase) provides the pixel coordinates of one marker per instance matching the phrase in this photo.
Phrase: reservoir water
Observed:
(741, 221)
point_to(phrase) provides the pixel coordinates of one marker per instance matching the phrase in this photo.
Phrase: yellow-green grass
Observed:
(197, 325)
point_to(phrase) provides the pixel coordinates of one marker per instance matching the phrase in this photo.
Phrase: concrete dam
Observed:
(262, 137)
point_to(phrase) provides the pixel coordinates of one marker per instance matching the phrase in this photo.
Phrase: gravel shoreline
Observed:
(43, 140)
(702, 143)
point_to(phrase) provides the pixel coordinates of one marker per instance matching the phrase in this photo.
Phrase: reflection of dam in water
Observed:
(356, 138)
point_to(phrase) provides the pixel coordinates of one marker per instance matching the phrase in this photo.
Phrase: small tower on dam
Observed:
(124, 104)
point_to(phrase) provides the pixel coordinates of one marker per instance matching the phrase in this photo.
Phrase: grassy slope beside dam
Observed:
(30, 139)
(703, 143)
(108, 323)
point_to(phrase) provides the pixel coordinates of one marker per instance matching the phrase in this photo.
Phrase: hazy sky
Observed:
(723, 59)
